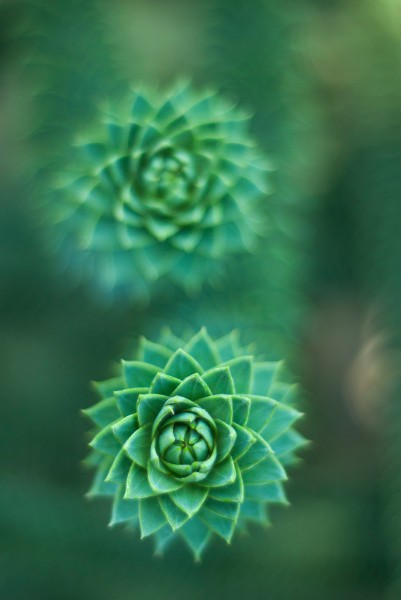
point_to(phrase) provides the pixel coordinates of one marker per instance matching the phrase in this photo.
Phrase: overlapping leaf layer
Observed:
(172, 187)
(192, 439)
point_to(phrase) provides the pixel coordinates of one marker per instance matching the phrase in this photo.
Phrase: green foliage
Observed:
(192, 439)
(171, 186)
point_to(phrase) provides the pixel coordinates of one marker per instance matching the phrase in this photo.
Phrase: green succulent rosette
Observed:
(192, 439)
(169, 187)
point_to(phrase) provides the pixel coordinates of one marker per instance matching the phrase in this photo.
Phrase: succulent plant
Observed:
(192, 439)
(170, 186)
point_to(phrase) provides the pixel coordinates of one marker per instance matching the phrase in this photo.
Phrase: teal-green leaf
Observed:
(104, 412)
(164, 537)
(152, 353)
(243, 442)
(124, 428)
(127, 400)
(225, 439)
(189, 498)
(233, 492)
(193, 388)
(268, 492)
(202, 349)
(167, 338)
(149, 406)
(263, 373)
(255, 453)
(228, 346)
(219, 380)
(282, 418)
(241, 371)
(101, 487)
(220, 525)
(138, 484)
(221, 474)
(151, 516)
(164, 384)
(120, 468)
(138, 445)
(107, 388)
(254, 511)
(139, 374)
(123, 510)
(288, 441)
(181, 365)
(265, 471)
(261, 411)
(160, 482)
(174, 515)
(229, 510)
(241, 409)
(105, 441)
(196, 534)
(218, 407)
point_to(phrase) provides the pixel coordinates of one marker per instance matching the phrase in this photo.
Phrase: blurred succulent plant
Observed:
(171, 187)
(192, 439)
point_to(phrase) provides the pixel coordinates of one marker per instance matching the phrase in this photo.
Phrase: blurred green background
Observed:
(323, 81)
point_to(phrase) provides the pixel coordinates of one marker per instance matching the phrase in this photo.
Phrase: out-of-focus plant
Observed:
(192, 439)
(169, 185)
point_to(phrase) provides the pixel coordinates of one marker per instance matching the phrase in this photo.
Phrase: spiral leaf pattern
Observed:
(192, 439)
(170, 188)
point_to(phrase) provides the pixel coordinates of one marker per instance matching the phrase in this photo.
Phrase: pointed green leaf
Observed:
(241, 409)
(105, 441)
(225, 439)
(221, 474)
(104, 412)
(261, 411)
(127, 400)
(120, 468)
(139, 374)
(218, 407)
(266, 471)
(202, 348)
(233, 492)
(189, 498)
(241, 371)
(164, 384)
(282, 418)
(167, 338)
(124, 428)
(219, 380)
(220, 525)
(243, 442)
(288, 441)
(152, 353)
(196, 534)
(229, 510)
(193, 388)
(263, 373)
(151, 516)
(254, 511)
(255, 453)
(138, 484)
(107, 388)
(174, 515)
(228, 346)
(149, 406)
(101, 487)
(164, 537)
(268, 492)
(123, 510)
(181, 365)
(138, 445)
(160, 482)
